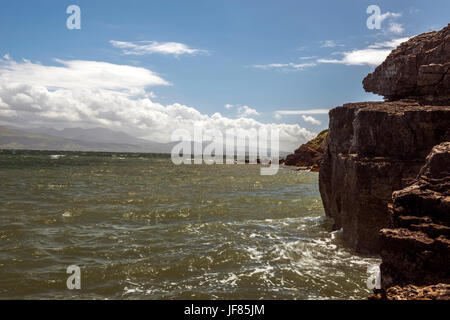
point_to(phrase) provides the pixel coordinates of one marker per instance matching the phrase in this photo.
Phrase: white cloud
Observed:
(150, 47)
(311, 120)
(396, 28)
(76, 74)
(285, 66)
(228, 106)
(372, 55)
(308, 58)
(280, 113)
(394, 43)
(246, 111)
(91, 94)
(388, 14)
(328, 44)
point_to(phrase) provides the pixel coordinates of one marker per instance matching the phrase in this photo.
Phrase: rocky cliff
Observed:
(416, 247)
(385, 177)
(373, 149)
(417, 69)
(309, 154)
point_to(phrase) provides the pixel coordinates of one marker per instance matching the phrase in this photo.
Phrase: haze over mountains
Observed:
(77, 139)
(80, 139)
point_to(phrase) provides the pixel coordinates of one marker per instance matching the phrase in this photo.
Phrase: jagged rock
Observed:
(309, 154)
(419, 69)
(416, 249)
(373, 149)
(439, 291)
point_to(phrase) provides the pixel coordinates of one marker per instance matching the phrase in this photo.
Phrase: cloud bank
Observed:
(91, 94)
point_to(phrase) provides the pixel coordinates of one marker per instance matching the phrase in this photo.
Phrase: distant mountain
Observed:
(79, 139)
(100, 135)
(51, 139)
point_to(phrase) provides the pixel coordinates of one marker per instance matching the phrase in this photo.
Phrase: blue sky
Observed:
(265, 55)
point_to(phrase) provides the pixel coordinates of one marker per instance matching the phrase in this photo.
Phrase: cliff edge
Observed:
(385, 177)
(418, 69)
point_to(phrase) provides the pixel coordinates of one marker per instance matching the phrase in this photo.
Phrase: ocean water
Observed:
(140, 227)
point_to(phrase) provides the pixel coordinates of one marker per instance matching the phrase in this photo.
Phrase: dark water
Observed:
(140, 227)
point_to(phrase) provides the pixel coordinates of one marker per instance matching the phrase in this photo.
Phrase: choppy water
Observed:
(140, 227)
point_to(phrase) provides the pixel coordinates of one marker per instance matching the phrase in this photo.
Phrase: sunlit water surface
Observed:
(140, 227)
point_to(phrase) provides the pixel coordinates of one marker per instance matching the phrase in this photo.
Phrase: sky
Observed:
(150, 67)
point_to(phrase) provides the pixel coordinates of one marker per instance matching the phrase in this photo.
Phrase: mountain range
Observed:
(80, 139)
(77, 139)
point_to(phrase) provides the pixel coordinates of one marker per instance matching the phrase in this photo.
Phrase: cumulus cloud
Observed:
(373, 55)
(91, 94)
(151, 47)
(246, 111)
(311, 120)
(285, 66)
(228, 106)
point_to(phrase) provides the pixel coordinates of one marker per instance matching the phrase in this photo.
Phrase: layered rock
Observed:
(373, 149)
(410, 292)
(416, 248)
(418, 69)
(309, 154)
(379, 181)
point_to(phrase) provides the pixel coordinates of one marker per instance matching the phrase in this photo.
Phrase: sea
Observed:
(137, 226)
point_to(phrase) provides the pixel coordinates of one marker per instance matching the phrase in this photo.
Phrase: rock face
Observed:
(373, 149)
(419, 69)
(309, 154)
(416, 249)
(434, 292)
(385, 177)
